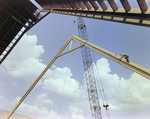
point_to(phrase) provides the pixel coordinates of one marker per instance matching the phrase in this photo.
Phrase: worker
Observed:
(125, 56)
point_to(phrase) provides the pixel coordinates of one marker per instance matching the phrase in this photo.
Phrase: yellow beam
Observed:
(135, 67)
(37, 80)
(132, 66)
(70, 50)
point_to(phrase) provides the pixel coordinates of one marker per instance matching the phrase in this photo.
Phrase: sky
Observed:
(62, 92)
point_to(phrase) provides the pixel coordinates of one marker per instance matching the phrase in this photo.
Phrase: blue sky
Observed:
(127, 92)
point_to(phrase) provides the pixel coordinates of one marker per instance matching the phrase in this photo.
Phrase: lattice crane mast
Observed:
(89, 72)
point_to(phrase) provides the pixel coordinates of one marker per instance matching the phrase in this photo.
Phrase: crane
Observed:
(132, 66)
(93, 95)
(89, 72)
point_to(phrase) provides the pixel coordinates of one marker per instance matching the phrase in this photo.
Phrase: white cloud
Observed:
(42, 99)
(26, 48)
(80, 110)
(24, 59)
(76, 112)
(24, 108)
(22, 64)
(59, 78)
(126, 97)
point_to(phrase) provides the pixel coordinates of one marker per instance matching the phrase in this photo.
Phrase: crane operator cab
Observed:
(106, 106)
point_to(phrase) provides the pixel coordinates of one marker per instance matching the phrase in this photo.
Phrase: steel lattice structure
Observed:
(89, 73)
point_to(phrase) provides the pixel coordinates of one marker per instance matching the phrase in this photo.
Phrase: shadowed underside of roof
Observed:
(15, 15)
(109, 10)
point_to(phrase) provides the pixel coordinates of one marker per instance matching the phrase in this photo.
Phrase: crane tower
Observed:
(89, 73)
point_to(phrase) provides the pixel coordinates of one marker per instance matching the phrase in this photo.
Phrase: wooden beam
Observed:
(134, 16)
(60, 5)
(87, 4)
(126, 5)
(102, 4)
(131, 65)
(64, 5)
(143, 5)
(95, 6)
(37, 80)
(81, 5)
(113, 5)
(76, 5)
(68, 5)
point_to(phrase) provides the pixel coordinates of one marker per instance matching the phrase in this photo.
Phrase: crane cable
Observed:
(68, 33)
(99, 82)
(63, 88)
(65, 75)
(100, 92)
(98, 77)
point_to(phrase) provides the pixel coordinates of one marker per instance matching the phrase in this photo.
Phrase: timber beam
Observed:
(135, 16)
(38, 79)
(135, 67)
(132, 66)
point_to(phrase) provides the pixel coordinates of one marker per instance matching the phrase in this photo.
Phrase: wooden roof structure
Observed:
(101, 9)
(18, 16)
(89, 4)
